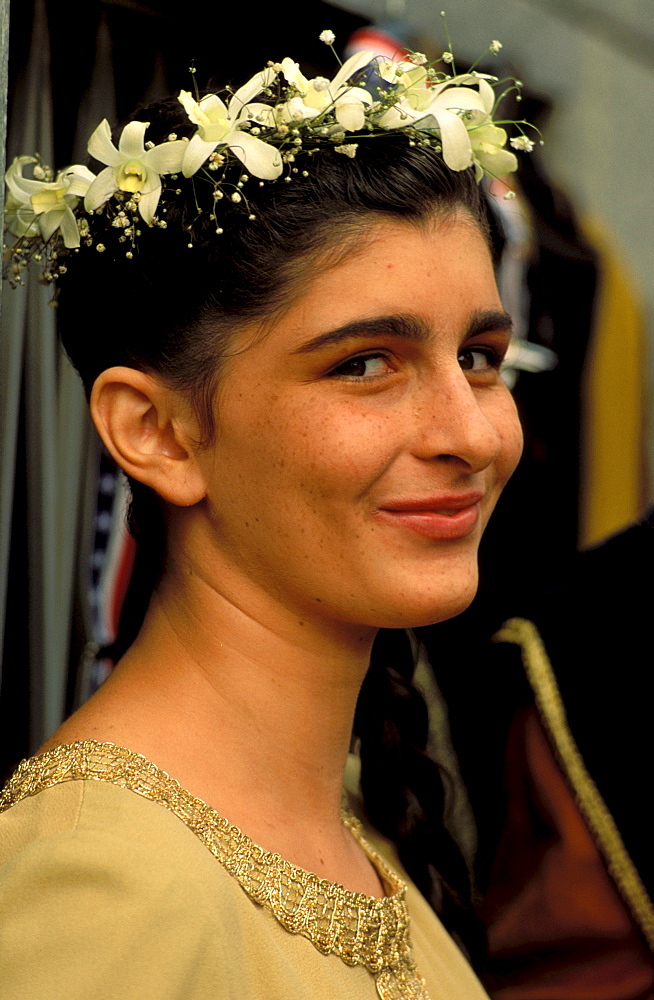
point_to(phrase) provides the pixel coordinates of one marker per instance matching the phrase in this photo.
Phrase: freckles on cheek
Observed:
(351, 442)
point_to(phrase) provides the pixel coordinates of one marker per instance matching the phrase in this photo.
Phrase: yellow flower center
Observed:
(131, 176)
(216, 130)
(45, 201)
(486, 147)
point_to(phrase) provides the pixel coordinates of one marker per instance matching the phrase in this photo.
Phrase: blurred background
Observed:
(575, 251)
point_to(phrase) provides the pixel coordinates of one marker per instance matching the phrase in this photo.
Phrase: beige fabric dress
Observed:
(116, 883)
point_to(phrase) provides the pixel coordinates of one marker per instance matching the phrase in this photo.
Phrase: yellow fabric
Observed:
(106, 894)
(613, 473)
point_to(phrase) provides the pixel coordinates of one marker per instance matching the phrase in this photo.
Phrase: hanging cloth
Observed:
(56, 428)
(613, 473)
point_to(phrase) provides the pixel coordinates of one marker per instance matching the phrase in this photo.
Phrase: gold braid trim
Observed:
(600, 821)
(359, 929)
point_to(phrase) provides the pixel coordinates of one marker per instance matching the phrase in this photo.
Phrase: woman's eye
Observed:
(365, 366)
(479, 359)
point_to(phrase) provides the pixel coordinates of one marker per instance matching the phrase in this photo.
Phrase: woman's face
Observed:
(363, 441)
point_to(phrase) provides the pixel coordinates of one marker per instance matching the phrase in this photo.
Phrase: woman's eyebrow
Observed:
(409, 327)
(484, 322)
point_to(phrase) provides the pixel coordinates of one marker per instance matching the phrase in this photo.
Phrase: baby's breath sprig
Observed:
(448, 55)
(328, 37)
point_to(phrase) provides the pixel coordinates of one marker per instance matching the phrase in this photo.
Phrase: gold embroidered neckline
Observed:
(361, 930)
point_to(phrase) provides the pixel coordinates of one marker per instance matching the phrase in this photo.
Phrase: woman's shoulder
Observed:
(51, 805)
(89, 871)
(91, 841)
(84, 787)
(89, 806)
(106, 813)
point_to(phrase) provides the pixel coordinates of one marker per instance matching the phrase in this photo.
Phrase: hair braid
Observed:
(404, 790)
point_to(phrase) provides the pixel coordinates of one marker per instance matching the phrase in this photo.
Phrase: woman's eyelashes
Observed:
(367, 367)
(480, 359)
(363, 366)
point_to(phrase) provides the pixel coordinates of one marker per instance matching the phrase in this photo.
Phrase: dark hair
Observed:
(172, 309)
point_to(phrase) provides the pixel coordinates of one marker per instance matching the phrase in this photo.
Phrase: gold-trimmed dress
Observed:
(110, 894)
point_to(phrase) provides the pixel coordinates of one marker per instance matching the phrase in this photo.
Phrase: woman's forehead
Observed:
(399, 278)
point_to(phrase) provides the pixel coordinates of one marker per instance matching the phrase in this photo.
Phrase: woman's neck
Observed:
(253, 718)
(277, 701)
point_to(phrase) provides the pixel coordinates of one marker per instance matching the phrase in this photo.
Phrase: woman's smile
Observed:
(442, 517)
(365, 436)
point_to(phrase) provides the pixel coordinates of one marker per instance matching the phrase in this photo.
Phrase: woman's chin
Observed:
(430, 609)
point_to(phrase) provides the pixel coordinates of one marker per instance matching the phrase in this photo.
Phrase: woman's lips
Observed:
(439, 518)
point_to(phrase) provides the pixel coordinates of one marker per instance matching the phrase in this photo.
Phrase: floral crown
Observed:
(47, 215)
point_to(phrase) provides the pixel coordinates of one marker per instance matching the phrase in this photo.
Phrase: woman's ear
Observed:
(151, 432)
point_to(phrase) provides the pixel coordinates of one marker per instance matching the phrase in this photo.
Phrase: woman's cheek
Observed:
(350, 443)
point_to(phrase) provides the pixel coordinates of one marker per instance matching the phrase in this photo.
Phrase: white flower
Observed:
(46, 205)
(461, 116)
(402, 72)
(327, 36)
(224, 125)
(314, 97)
(523, 143)
(487, 140)
(442, 108)
(447, 57)
(488, 153)
(387, 69)
(418, 58)
(349, 149)
(19, 215)
(131, 167)
(495, 46)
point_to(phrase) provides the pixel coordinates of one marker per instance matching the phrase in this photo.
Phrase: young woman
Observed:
(299, 373)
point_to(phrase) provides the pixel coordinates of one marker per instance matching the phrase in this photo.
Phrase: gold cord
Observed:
(541, 676)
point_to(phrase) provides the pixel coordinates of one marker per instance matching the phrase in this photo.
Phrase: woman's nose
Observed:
(454, 422)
